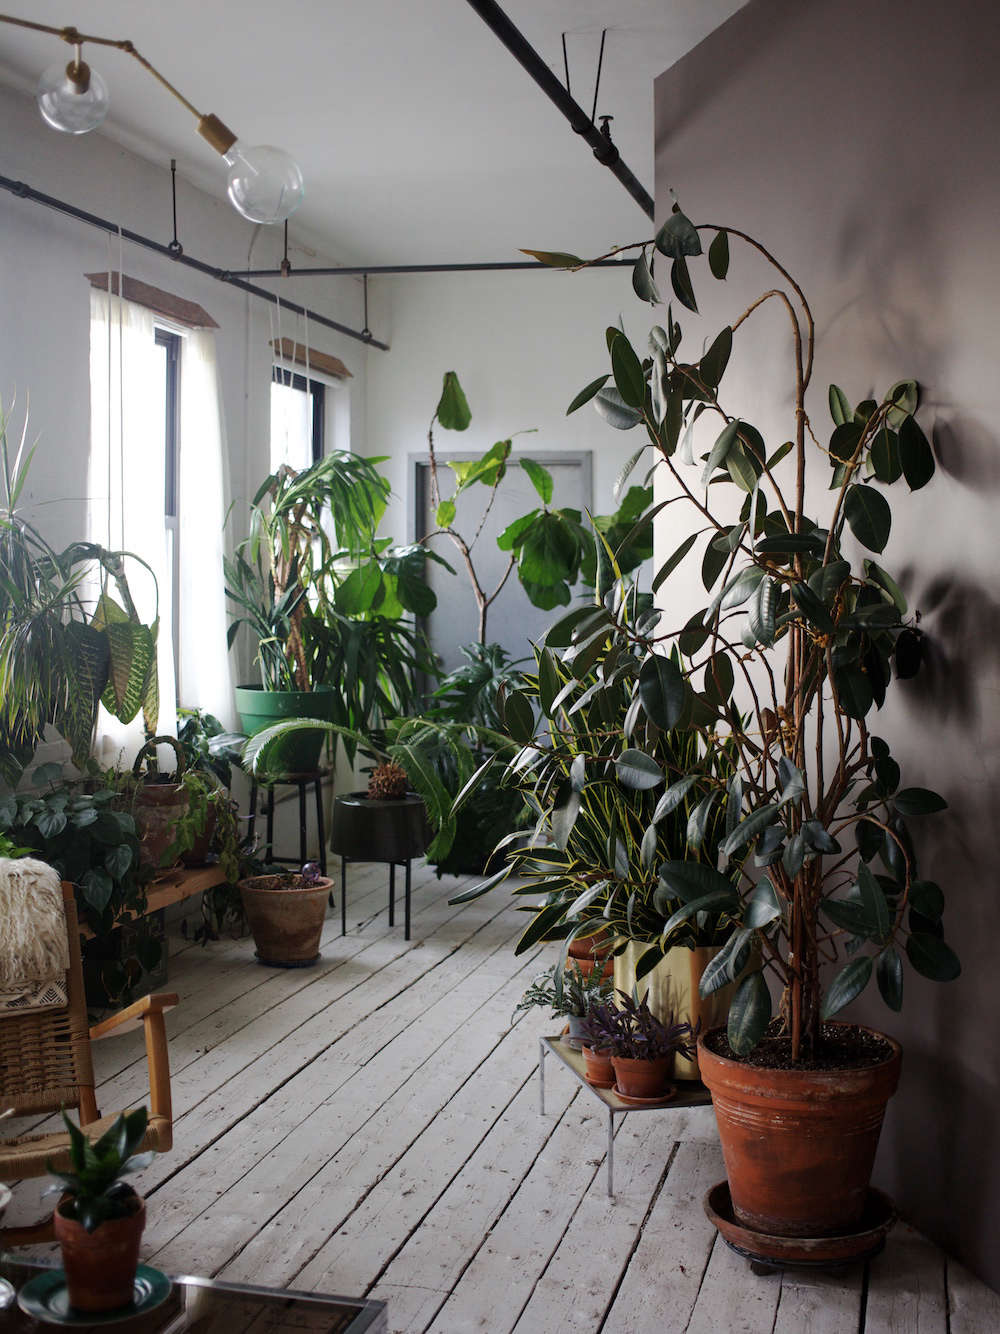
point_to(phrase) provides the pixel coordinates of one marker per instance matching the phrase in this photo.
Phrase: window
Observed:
(166, 408)
(298, 408)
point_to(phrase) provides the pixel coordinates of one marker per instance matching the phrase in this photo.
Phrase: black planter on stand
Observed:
(368, 830)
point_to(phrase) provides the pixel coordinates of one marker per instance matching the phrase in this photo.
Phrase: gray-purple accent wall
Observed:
(860, 141)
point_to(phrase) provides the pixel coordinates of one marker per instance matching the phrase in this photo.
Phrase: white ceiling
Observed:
(420, 138)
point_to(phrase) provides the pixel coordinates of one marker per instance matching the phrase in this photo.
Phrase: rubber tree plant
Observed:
(790, 658)
(64, 648)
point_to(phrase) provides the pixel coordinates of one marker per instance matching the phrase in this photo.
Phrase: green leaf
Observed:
(720, 449)
(691, 881)
(727, 964)
(761, 612)
(869, 516)
(514, 534)
(718, 255)
(790, 544)
(678, 237)
(642, 281)
(713, 364)
(585, 395)
(854, 692)
(668, 567)
(749, 1014)
(741, 469)
(542, 922)
(638, 771)
(627, 370)
(915, 455)
(846, 986)
(840, 409)
(445, 514)
(555, 259)
(680, 281)
(541, 478)
(884, 455)
(550, 551)
(673, 797)
(889, 976)
(885, 581)
(918, 801)
(873, 901)
(453, 409)
(707, 903)
(615, 411)
(749, 828)
(763, 906)
(927, 899)
(845, 440)
(648, 961)
(931, 957)
(697, 824)
(519, 717)
(663, 690)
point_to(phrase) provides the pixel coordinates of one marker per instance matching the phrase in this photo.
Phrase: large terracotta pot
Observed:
(100, 1265)
(286, 923)
(799, 1145)
(672, 990)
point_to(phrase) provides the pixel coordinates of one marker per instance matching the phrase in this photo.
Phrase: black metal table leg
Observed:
(302, 824)
(406, 933)
(253, 809)
(270, 819)
(321, 831)
(392, 893)
(343, 896)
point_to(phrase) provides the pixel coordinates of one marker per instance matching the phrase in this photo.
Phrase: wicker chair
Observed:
(46, 1064)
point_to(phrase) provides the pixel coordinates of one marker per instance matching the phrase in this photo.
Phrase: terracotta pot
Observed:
(672, 990)
(594, 947)
(100, 1265)
(598, 1069)
(799, 1145)
(643, 1079)
(157, 806)
(286, 923)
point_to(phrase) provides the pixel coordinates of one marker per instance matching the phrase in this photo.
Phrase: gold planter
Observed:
(672, 987)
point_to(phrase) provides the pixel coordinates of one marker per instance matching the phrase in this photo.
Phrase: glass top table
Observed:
(206, 1306)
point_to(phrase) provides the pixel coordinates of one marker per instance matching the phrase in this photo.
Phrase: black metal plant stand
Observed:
(302, 782)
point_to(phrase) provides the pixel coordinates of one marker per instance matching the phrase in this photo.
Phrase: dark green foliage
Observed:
(94, 1183)
(571, 992)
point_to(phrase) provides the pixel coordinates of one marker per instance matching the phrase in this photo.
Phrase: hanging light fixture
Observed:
(264, 183)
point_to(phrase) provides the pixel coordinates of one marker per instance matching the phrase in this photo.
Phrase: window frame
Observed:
(281, 374)
(171, 343)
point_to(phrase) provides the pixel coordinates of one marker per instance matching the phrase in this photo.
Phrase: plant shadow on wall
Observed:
(776, 681)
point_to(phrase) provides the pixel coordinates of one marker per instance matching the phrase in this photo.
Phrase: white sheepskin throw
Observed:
(33, 946)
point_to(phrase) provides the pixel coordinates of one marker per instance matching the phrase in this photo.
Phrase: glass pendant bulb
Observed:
(72, 98)
(265, 183)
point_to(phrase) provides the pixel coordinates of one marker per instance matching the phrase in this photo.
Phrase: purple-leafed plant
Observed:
(627, 1028)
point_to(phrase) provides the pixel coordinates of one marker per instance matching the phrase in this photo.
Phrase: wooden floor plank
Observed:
(660, 1286)
(820, 1303)
(973, 1308)
(906, 1286)
(733, 1299)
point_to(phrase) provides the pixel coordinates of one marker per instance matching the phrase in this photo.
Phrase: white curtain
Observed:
(203, 672)
(126, 488)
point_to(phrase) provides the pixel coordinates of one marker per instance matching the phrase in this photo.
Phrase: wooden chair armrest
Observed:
(133, 1016)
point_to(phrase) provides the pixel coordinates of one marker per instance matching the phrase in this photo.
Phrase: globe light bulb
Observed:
(265, 183)
(72, 98)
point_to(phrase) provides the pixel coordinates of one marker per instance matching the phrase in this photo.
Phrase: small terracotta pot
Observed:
(100, 1265)
(286, 923)
(597, 1068)
(197, 855)
(643, 1079)
(799, 1145)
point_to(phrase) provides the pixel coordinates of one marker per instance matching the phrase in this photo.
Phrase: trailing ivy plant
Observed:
(786, 663)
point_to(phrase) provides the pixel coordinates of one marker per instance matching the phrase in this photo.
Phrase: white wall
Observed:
(44, 333)
(522, 344)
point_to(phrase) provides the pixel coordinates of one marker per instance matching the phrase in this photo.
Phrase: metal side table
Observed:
(689, 1093)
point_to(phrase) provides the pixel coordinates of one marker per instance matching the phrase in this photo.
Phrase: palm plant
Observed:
(62, 653)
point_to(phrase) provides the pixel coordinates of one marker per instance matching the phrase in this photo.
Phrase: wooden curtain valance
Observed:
(171, 307)
(290, 350)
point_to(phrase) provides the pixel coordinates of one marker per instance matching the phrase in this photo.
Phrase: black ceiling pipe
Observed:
(523, 52)
(373, 270)
(24, 191)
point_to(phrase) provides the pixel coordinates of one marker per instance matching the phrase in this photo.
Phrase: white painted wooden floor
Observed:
(371, 1127)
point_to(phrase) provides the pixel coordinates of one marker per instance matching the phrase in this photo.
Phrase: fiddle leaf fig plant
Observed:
(780, 674)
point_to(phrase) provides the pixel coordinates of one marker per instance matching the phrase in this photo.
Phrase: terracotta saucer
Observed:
(661, 1101)
(600, 1083)
(803, 1252)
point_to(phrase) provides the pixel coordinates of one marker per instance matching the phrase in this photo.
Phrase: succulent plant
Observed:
(388, 782)
(97, 1192)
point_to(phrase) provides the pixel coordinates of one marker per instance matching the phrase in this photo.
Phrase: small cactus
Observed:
(388, 782)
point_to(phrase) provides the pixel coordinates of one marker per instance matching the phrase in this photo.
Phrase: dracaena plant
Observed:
(789, 659)
(625, 1027)
(621, 792)
(94, 1182)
